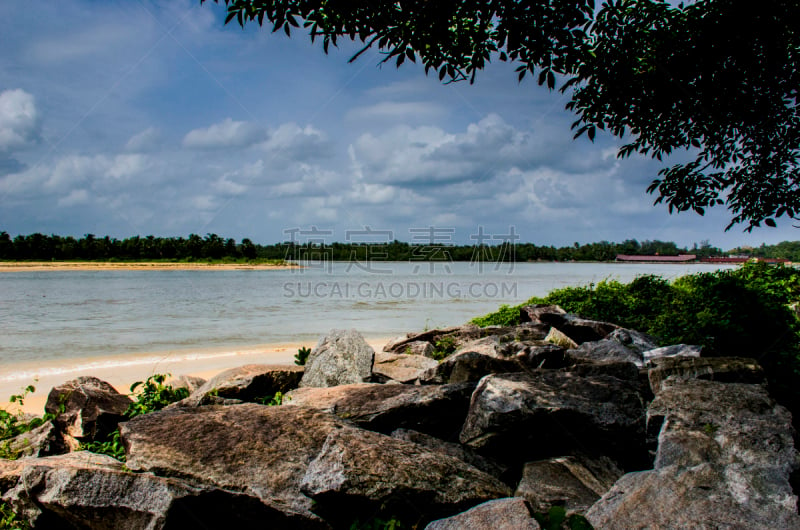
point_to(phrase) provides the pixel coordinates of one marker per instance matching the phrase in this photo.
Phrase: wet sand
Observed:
(123, 371)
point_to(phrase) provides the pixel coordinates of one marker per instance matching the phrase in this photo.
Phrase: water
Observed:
(61, 316)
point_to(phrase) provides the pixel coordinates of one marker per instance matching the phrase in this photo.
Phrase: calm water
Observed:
(58, 316)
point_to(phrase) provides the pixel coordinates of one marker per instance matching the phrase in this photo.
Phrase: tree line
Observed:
(212, 247)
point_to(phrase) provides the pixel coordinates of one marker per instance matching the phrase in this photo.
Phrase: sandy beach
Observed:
(122, 373)
(37, 266)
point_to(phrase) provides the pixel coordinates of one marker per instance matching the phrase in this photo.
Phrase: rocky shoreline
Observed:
(463, 427)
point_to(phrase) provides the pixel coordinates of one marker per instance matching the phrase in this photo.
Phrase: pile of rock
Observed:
(557, 411)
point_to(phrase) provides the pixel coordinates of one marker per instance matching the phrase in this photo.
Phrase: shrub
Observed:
(301, 356)
(504, 316)
(150, 395)
(443, 347)
(746, 311)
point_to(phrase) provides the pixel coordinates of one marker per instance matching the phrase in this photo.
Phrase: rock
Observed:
(578, 329)
(725, 453)
(675, 350)
(255, 449)
(573, 482)
(540, 355)
(87, 408)
(532, 313)
(45, 440)
(94, 492)
(619, 369)
(489, 346)
(437, 410)
(360, 471)
(459, 335)
(400, 367)
(465, 454)
(340, 358)
(620, 345)
(499, 514)
(467, 366)
(529, 416)
(560, 339)
(724, 369)
(247, 383)
(189, 382)
(417, 347)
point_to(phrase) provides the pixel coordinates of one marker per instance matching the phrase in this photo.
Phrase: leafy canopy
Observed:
(715, 79)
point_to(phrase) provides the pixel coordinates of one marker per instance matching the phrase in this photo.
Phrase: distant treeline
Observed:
(40, 247)
(785, 250)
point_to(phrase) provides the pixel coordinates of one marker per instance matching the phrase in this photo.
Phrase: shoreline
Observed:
(39, 266)
(124, 370)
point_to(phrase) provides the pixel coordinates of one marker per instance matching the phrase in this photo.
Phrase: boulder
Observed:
(530, 416)
(92, 491)
(359, 471)
(437, 410)
(247, 383)
(574, 482)
(500, 514)
(400, 367)
(560, 339)
(578, 329)
(725, 454)
(417, 347)
(620, 345)
(468, 366)
(255, 449)
(532, 313)
(340, 358)
(465, 454)
(45, 440)
(189, 382)
(489, 346)
(675, 350)
(87, 408)
(724, 369)
(459, 334)
(540, 354)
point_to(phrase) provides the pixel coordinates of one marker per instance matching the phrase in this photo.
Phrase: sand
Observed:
(37, 266)
(126, 371)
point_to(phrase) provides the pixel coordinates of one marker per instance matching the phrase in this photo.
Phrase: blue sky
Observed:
(142, 117)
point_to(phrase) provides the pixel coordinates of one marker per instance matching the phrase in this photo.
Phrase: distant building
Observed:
(680, 258)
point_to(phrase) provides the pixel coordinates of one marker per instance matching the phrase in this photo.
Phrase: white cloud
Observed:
(74, 198)
(19, 119)
(227, 133)
(147, 140)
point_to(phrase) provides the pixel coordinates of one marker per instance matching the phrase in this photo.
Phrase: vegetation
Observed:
(443, 347)
(149, 396)
(663, 77)
(556, 519)
(212, 248)
(273, 401)
(9, 520)
(301, 356)
(13, 424)
(746, 311)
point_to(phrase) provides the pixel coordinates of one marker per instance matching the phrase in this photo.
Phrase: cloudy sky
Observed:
(144, 117)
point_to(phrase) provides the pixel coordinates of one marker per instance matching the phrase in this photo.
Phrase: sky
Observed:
(134, 117)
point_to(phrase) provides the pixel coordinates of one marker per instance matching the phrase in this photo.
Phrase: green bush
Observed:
(149, 396)
(504, 316)
(747, 311)
(443, 347)
(301, 356)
